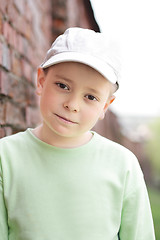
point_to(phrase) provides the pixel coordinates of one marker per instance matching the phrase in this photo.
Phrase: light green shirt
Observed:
(93, 192)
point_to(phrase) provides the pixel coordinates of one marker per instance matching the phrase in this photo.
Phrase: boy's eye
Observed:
(62, 85)
(91, 97)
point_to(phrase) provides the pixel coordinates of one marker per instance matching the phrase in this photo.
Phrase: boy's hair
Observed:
(45, 70)
(84, 46)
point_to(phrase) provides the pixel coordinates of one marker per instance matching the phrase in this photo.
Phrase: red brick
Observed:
(5, 131)
(33, 117)
(25, 47)
(11, 12)
(34, 78)
(26, 36)
(15, 115)
(14, 39)
(60, 12)
(2, 132)
(11, 30)
(14, 88)
(26, 70)
(28, 30)
(6, 57)
(6, 29)
(28, 13)
(20, 44)
(2, 113)
(42, 6)
(16, 64)
(37, 57)
(8, 131)
(31, 97)
(1, 24)
(30, 55)
(19, 24)
(29, 52)
(1, 46)
(3, 5)
(46, 27)
(59, 23)
(9, 33)
(3, 81)
(12, 34)
(20, 5)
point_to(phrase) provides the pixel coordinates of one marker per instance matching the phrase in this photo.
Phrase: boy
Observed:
(61, 181)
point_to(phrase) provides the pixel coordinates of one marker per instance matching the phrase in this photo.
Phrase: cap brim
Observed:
(103, 68)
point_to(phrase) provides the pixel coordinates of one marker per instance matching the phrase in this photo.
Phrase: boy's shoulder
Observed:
(108, 144)
(14, 139)
(117, 153)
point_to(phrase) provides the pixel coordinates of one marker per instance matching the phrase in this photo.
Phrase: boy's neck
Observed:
(60, 141)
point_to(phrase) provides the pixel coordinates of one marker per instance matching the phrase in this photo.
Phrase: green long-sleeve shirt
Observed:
(92, 192)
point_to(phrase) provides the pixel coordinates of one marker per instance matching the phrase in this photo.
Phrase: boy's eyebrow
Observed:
(62, 77)
(92, 90)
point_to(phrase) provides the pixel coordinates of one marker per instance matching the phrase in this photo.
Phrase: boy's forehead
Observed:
(84, 75)
(69, 66)
(74, 67)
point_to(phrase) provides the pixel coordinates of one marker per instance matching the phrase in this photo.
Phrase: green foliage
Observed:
(153, 145)
(154, 196)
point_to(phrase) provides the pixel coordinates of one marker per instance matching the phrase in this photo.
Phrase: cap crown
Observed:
(90, 44)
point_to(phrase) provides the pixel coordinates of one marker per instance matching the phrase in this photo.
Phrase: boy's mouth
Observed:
(65, 119)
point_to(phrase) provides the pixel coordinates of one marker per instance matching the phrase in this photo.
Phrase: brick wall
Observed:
(25, 34)
(109, 127)
(72, 13)
(27, 28)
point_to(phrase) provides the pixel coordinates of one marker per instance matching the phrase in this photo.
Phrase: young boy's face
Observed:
(73, 98)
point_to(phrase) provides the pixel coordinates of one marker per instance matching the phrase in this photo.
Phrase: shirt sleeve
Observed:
(3, 212)
(136, 218)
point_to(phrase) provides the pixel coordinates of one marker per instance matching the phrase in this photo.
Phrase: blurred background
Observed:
(27, 29)
(132, 27)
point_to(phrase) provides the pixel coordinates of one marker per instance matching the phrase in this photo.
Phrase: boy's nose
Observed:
(72, 105)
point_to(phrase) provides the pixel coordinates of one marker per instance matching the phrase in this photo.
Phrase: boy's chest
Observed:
(70, 197)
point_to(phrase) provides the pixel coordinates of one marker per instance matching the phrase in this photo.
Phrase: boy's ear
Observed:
(111, 99)
(40, 81)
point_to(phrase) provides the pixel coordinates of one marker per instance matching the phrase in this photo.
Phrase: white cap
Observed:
(84, 46)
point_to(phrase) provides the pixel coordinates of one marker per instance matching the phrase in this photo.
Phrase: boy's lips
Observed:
(66, 119)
